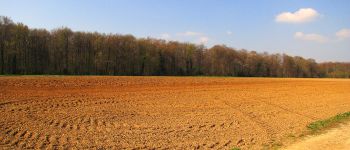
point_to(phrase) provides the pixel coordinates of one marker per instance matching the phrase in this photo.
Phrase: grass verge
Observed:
(323, 124)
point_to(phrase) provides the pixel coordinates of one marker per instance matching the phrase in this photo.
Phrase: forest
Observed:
(26, 51)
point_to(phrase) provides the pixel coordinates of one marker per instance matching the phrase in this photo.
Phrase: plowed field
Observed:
(89, 112)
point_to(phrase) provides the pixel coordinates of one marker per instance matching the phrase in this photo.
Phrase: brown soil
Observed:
(337, 138)
(162, 112)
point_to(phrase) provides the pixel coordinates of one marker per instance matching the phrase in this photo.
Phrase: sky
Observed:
(318, 29)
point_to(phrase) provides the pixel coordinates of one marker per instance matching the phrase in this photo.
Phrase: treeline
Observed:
(62, 51)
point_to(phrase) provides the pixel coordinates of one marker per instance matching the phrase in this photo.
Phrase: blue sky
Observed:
(318, 29)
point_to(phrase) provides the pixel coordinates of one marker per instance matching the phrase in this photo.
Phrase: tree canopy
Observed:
(62, 51)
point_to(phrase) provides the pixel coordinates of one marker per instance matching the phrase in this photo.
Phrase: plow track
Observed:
(52, 112)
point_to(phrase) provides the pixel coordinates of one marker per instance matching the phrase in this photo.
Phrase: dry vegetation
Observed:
(162, 112)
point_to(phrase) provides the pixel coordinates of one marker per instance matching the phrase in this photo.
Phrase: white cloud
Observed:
(310, 37)
(203, 40)
(229, 33)
(343, 33)
(189, 33)
(165, 36)
(189, 36)
(301, 16)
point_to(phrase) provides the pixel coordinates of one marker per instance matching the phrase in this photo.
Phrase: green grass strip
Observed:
(236, 148)
(321, 124)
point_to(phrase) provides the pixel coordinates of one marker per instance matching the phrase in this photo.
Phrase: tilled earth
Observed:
(102, 112)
